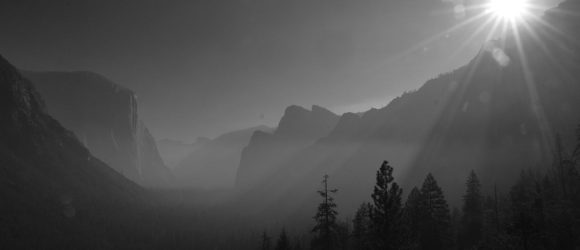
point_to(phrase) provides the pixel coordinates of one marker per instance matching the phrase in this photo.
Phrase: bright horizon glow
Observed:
(508, 9)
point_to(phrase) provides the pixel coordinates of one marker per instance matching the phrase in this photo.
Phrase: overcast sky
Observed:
(205, 67)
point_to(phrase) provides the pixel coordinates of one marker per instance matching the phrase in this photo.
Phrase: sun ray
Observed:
(429, 40)
(472, 37)
(551, 28)
(541, 43)
(535, 103)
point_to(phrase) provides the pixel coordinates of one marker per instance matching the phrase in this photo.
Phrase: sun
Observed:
(508, 9)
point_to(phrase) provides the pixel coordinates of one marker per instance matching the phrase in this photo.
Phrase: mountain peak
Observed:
(302, 123)
(295, 109)
(320, 110)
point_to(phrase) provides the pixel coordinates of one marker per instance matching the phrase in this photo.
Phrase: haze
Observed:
(202, 68)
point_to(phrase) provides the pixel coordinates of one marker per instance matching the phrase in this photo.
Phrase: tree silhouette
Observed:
(326, 228)
(265, 241)
(435, 219)
(361, 227)
(526, 202)
(283, 242)
(386, 215)
(412, 218)
(297, 244)
(472, 219)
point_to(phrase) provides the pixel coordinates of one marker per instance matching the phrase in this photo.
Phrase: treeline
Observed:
(541, 211)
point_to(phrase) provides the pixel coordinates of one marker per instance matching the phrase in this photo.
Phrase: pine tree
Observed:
(265, 241)
(522, 196)
(576, 151)
(412, 215)
(472, 220)
(567, 175)
(297, 245)
(283, 242)
(326, 228)
(361, 227)
(386, 215)
(343, 235)
(455, 225)
(561, 166)
(435, 222)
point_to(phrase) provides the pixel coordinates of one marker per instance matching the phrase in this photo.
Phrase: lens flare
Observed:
(507, 9)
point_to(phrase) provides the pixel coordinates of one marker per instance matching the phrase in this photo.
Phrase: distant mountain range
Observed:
(214, 163)
(104, 116)
(173, 151)
(497, 115)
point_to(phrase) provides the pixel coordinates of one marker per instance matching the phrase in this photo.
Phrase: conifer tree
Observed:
(472, 219)
(386, 215)
(265, 241)
(361, 227)
(283, 242)
(567, 175)
(297, 244)
(412, 215)
(576, 151)
(326, 228)
(522, 196)
(435, 222)
(455, 231)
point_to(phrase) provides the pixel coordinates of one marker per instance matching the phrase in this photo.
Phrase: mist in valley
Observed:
(290, 125)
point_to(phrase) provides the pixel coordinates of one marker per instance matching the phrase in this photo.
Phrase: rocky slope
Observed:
(54, 194)
(104, 116)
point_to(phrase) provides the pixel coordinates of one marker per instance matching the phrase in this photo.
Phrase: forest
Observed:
(540, 211)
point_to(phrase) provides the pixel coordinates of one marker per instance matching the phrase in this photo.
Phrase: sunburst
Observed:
(508, 9)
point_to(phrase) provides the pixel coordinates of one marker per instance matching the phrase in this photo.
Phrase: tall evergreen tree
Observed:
(297, 244)
(361, 227)
(265, 241)
(412, 216)
(283, 242)
(435, 222)
(472, 219)
(343, 235)
(576, 151)
(326, 228)
(567, 175)
(456, 217)
(522, 197)
(386, 215)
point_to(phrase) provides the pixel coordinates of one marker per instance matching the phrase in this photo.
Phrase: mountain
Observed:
(104, 116)
(497, 115)
(298, 128)
(173, 151)
(214, 164)
(54, 194)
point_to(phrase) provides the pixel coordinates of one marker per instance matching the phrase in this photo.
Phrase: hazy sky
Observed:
(204, 67)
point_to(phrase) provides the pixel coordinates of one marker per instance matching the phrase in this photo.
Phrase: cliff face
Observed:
(51, 187)
(298, 128)
(104, 116)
